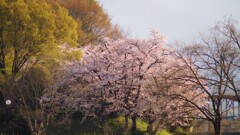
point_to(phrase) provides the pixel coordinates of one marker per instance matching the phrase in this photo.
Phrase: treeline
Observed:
(137, 79)
(62, 58)
(144, 79)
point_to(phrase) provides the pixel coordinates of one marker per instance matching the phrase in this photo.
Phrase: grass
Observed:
(93, 127)
(164, 132)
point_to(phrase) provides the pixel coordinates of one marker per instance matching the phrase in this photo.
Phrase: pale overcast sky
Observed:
(179, 20)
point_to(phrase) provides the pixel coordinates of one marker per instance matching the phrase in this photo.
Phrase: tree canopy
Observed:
(93, 22)
(31, 29)
(130, 77)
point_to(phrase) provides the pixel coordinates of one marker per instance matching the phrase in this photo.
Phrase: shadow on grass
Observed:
(92, 126)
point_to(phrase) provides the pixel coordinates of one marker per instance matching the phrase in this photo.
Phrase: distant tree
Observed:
(216, 58)
(93, 22)
(227, 32)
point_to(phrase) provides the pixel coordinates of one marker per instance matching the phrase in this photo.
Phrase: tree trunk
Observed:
(150, 127)
(217, 127)
(155, 130)
(126, 122)
(104, 127)
(134, 124)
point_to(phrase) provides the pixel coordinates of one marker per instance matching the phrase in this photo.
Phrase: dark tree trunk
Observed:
(134, 124)
(126, 122)
(104, 127)
(2, 53)
(150, 127)
(217, 127)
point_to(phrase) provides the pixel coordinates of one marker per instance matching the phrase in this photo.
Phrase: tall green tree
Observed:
(30, 29)
(32, 32)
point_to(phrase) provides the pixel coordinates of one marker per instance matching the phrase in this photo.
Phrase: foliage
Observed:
(93, 23)
(30, 34)
(130, 77)
(180, 131)
(152, 86)
(31, 30)
(164, 132)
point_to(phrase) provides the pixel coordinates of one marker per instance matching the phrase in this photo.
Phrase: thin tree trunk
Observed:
(150, 127)
(134, 124)
(104, 127)
(126, 122)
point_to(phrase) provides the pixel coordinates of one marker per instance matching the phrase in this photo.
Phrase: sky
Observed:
(178, 20)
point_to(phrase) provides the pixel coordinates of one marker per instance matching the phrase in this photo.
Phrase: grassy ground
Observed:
(92, 127)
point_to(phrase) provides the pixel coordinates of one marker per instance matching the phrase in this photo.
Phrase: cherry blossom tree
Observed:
(163, 104)
(120, 78)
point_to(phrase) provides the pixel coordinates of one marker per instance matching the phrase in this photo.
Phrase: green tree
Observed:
(30, 30)
(93, 23)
